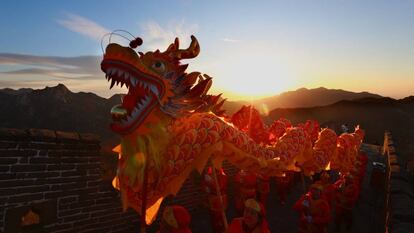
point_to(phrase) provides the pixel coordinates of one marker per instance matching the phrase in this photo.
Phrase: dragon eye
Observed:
(158, 66)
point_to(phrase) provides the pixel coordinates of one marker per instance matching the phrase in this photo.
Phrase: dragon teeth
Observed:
(154, 90)
(112, 84)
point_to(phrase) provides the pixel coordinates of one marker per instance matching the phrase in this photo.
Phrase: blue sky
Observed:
(252, 49)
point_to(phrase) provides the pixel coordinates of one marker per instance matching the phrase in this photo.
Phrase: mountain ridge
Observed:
(58, 108)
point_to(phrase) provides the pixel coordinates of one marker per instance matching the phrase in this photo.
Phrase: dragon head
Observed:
(155, 80)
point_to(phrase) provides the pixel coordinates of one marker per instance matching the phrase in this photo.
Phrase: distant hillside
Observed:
(375, 115)
(302, 98)
(58, 108)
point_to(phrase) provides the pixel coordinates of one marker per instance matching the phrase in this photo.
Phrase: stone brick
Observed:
(4, 168)
(60, 167)
(67, 213)
(8, 145)
(74, 160)
(17, 153)
(23, 160)
(28, 168)
(44, 160)
(75, 217)
(44, 135)
(26, 198)
(7, 191)
(13, 134)
(8, 161)
(89, 138)
(7, 176)
(15, 183)
(73, 173)
(58, 227)
(93, 183)
(85, 205)
(43, 174)
(100, 213)
(32, 189)
(71, 186)
(82, 223)
(68, 199)
(67, 136)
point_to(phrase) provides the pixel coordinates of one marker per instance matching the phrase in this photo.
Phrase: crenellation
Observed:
(400, 197)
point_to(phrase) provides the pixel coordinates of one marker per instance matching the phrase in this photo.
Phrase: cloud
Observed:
(159, 37)
(85, 67)
(80, 73)
(83, 26)
(230, 40)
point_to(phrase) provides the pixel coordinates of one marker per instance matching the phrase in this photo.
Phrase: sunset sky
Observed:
(252, 49)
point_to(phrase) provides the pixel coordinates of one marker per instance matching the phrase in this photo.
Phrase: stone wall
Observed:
(400, 196)
(54, 180)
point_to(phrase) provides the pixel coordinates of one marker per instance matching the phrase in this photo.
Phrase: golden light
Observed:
(328, 167)
(249, 72)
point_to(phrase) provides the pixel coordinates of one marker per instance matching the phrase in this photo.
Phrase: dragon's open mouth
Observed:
(143, 94)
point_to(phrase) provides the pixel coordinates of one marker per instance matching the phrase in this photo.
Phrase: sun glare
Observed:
(249, 72)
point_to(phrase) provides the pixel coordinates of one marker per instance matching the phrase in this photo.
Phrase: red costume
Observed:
(347, 193)
(215, 205)
(315, 213)
(328, 189)
(282, 186)
(175, 219)
(240, 225)
(245, 183)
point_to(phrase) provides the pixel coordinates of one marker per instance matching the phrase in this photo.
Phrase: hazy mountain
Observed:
(302, 98)
(58, 108)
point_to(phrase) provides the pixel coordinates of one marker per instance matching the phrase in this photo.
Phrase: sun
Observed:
(249, 71)
(249, 83)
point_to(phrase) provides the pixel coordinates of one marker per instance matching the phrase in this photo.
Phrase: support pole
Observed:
(144, 200)
(223, 214)
(302, 176)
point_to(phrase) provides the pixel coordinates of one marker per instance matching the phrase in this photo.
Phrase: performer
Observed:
(283, 186)
(315, 213)
(253, 220)
(347, 192)
(245, 187)
(263, 188)
(215, 205)
(175, 219)
(328, 189)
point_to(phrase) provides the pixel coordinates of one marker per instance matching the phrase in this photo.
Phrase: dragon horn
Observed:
(192, 51)
(173, 47)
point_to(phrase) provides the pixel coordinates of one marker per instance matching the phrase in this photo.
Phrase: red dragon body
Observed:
(170, 126)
